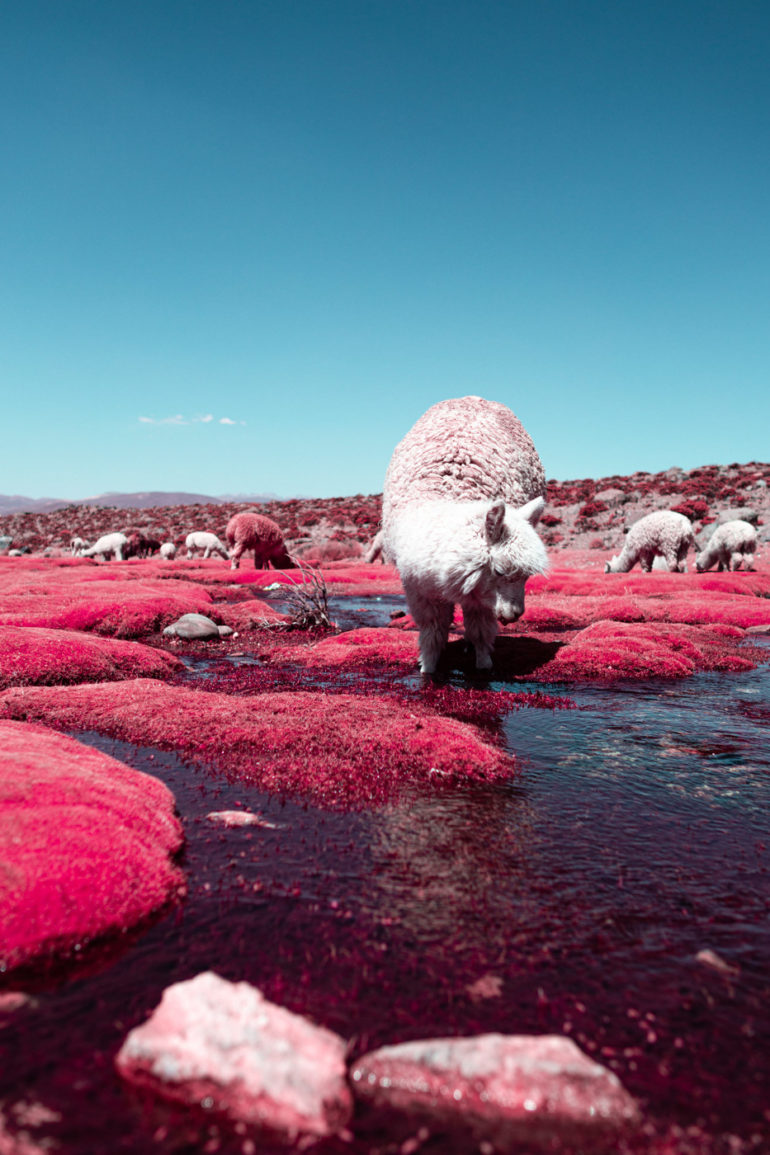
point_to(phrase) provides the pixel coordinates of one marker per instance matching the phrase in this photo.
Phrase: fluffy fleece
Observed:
(208, 542)
(110, 543)
(255, 531)
(661, 534)
(730, 546)
(463, 493)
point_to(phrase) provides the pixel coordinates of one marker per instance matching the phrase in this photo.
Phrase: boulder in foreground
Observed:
(225, 1047)
(515, 1087)
(86, 844)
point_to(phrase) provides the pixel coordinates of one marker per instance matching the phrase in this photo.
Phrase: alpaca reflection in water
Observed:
(454, 871)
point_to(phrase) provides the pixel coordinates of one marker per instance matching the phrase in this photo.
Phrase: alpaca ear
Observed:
(495, 521)
(532, 510)
(470, 583)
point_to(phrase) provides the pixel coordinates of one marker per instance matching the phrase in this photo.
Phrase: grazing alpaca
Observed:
(138, 545)
(110, 543)
(168, 550)
(731, 545)
(661, 534)
(256, 532)
(463, 492)
(208, 542)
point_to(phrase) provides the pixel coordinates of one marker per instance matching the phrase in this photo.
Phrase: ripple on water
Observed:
(578, 898)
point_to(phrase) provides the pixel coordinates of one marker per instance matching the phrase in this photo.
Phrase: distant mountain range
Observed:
(18, 504)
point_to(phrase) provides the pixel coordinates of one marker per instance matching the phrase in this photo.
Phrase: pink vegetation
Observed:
(72, 600)
(533, 1086)
(85, 844)
(611, 650)
(224, 1045)
(254, 531)
(339, 749)
(359, 647)
(250, 615)
(33, 656)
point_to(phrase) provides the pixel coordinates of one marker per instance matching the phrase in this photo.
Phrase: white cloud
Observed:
(179, 419)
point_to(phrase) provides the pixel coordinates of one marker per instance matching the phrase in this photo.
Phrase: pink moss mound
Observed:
(361, 647)
(115, 605)
(30, 656)
(248, 1059)
(339, 749)
(251, 615)
(85, 844)
(609, 650)
(534, 1088)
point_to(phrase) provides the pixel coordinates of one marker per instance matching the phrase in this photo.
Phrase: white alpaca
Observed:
(463, 493)
(660, 534)
(731, 545)
(375, 549)
(168, 550)
(110, 543)
(208, 542)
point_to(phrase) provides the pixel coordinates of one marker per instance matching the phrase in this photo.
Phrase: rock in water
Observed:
(196, 626)
(224, 1045)
(524, 1087)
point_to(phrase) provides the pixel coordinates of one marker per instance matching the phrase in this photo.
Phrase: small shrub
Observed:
(695, 508)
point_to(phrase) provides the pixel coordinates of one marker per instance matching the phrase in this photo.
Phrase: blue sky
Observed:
(246, 244)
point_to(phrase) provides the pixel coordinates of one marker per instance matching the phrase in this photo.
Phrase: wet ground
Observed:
(616, 891)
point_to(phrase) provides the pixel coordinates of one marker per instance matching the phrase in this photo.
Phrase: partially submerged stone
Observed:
(196, 626)
(529, 1087)
(86, 844)
(225, 1047)
(236, 818)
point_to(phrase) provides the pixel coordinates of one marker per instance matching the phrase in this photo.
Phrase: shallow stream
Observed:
(578, 898)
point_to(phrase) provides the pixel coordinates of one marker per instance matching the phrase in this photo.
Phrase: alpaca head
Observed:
(515, 554)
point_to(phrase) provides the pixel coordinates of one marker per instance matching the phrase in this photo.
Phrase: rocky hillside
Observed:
(582, 514)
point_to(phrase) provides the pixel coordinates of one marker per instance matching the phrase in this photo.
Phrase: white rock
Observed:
(225, 1046)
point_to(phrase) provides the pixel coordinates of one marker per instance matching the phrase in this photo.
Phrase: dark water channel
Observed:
(577, 899)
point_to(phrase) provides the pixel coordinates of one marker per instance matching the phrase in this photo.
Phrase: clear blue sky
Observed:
(245, 244)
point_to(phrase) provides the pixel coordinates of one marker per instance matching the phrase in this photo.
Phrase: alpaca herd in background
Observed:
(463, 493)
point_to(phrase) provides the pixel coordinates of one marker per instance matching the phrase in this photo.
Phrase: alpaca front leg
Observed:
(433, 620)
(480, 631)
